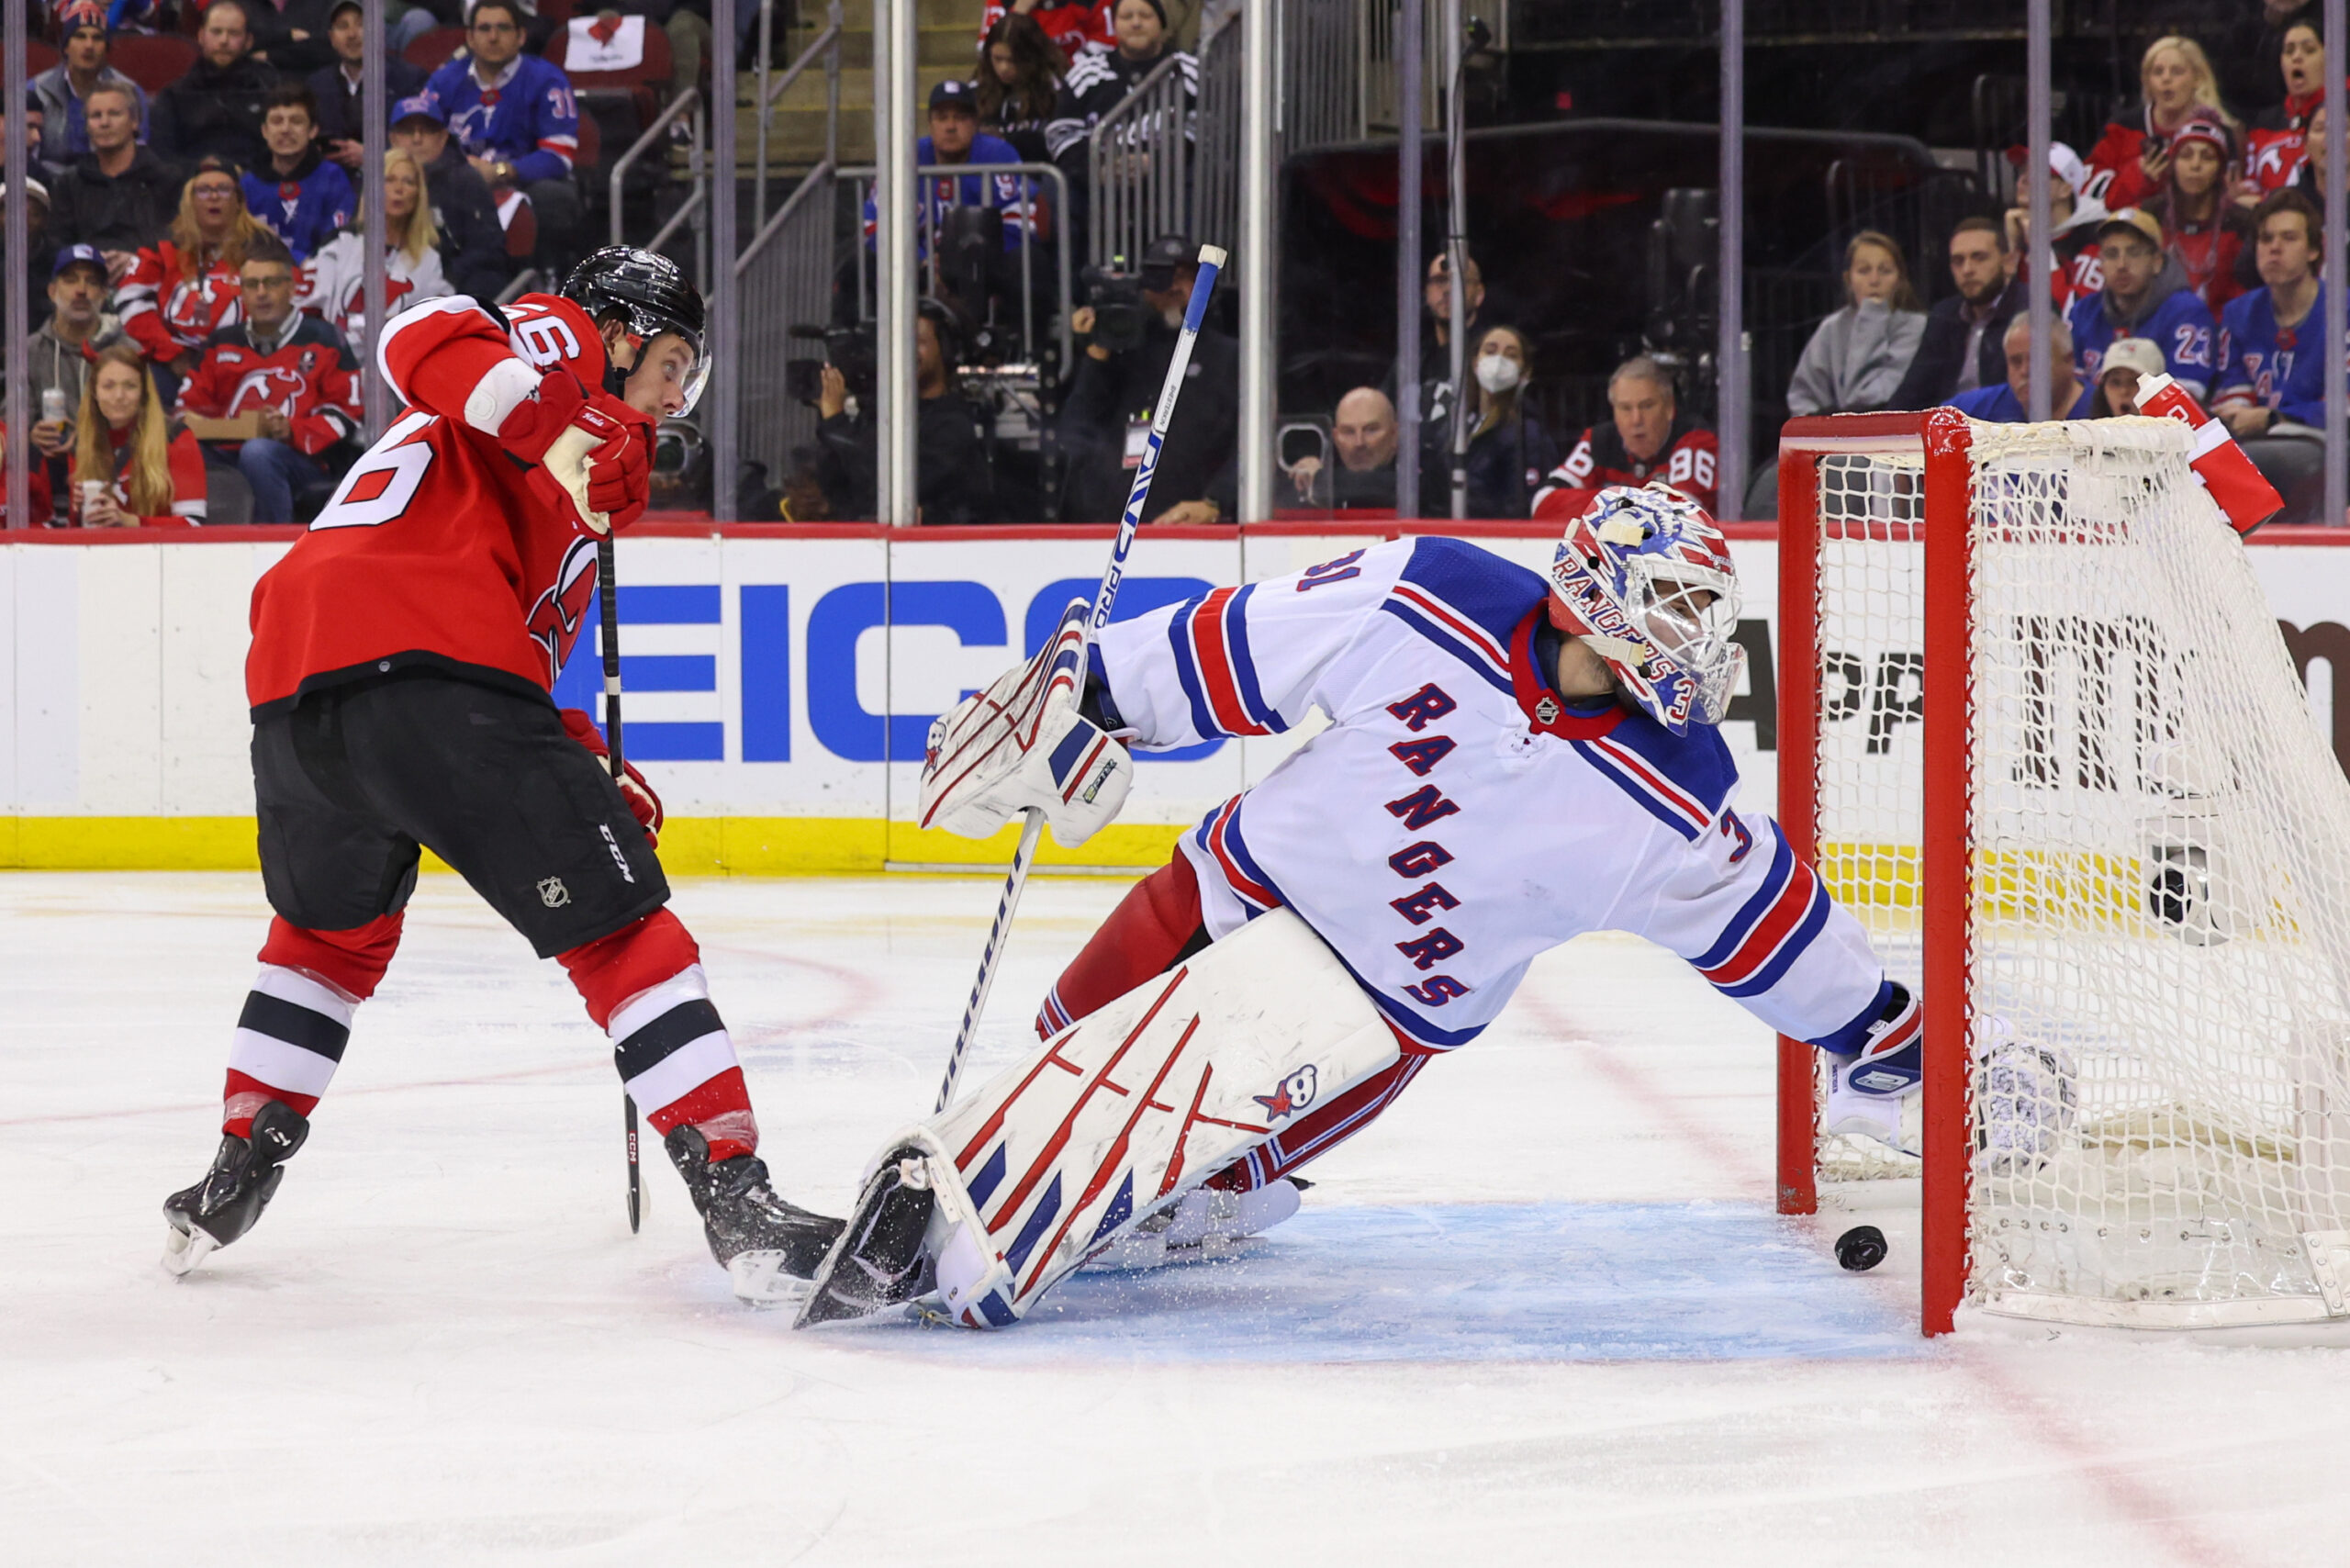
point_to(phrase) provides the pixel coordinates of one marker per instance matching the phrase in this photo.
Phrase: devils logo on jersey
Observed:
(267, 386)
(555, 620)
(195, 308)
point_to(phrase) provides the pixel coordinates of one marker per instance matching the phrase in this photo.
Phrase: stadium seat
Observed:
(154, 61)
(431, 51)
(522, 234)
(592, 146)
(38, 57)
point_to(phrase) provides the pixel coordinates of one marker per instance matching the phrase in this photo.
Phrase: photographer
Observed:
(1105, 419)
(952, 479)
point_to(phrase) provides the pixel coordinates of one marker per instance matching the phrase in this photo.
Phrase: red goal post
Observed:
(2040, 733)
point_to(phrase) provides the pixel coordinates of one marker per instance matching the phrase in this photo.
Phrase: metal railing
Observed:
(827, 44)
(1140, 156)
(942, 184)
(698, 172)
(783, 278)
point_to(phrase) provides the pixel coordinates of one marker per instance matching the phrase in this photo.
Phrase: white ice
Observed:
(1541, 1313)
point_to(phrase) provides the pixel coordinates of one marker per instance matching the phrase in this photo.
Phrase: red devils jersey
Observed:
(440, 548)
(1685, 462)
(310, 377)
(170, 313)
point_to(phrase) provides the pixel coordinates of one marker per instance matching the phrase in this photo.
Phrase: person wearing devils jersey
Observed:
(293, 372)
(1645, 441)
(402, 654)
(1509, 762)
(180, 291)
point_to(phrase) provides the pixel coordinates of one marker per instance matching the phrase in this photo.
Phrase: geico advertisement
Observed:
(798, 676)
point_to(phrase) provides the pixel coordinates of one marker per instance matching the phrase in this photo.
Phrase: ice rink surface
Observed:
(1541, 1312)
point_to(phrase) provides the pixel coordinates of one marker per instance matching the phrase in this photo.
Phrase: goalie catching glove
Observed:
(1023, 743)
(588, 448)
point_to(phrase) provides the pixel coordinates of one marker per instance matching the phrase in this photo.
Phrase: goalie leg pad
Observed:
(1126, 1111)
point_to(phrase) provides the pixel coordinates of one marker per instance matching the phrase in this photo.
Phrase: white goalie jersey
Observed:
(1456, 817)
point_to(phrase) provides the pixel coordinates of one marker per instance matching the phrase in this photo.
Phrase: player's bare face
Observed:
(658, 381)
(2285, 256)
(118, 391)
(2304, 61)
(2169, 82)
(1644, 412)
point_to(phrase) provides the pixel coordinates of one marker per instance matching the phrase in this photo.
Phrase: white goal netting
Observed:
(2159, 853)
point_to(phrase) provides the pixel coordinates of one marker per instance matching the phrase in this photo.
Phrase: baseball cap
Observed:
(960, 93)
(422, 106)
(2132, 354)
(2139, 220)
(33, 188)
(1162, 256)
(78, 256)
(2063, 163)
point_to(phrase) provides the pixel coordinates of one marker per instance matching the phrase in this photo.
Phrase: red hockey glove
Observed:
(636, 472)
(585, 455)
(642, 803)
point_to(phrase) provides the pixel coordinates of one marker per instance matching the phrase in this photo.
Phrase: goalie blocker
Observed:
(1113, 1120)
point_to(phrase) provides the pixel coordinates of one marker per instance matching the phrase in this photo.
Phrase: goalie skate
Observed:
(1114, 1122)
(1208, 1222)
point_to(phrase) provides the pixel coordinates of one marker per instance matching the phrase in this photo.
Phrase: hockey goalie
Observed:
(1508, 764)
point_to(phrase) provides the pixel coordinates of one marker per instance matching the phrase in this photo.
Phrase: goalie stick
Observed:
(1212, 258)
(607, 592)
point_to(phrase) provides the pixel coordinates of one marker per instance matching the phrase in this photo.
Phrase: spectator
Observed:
(515, 116)
(86, 42)
(37, 163)
(2145, 295)
(473, 243)
(2126, 363)
(2270, 395)
(298, 195)
(140, 468)
(1855, 361)
(215, 111)
(57, 356)
(1108, 410)
(2206, 230)
(1019, 83)
(342, 129)
(1960, 349)
(1509, 452)
(1646, 441)
(294, 371)
(1365, 434)
(2310, 178)
(41, 237)
(1069, 26)
(2131, 159)
(180, 291)
(955, 139)
(293, 36)
(2007, 403)
(2074, 219)
(336, 281)
(1098, 80)
(953, 484)
(1436, 323)
(119, 196)
(2273, 146)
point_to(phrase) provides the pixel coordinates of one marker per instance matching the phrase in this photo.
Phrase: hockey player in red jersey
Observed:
(401, 659)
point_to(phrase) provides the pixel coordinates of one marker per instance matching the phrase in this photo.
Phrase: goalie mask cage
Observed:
(2041, 734)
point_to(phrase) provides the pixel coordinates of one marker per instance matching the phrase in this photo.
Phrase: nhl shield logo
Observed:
(1548, 709)
(553, 893)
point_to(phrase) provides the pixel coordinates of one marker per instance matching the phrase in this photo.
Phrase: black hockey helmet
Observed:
(651, 295)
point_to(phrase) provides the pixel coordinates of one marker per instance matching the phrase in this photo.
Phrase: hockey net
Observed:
(2041, 734)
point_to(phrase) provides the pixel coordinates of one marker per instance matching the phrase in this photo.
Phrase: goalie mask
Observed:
(1644, 577)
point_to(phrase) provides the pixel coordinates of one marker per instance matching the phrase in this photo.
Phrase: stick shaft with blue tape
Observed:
(1212, 260)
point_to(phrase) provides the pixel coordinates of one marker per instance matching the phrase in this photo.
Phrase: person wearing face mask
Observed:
(1509, 452)
(1105, 417)
(1856, 359)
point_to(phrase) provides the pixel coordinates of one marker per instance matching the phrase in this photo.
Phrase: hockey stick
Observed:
(607, 591)
(1211, 259)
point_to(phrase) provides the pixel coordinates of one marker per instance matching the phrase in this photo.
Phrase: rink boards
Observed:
(780, 679)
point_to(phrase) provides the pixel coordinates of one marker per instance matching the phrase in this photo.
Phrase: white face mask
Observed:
(1496, 373)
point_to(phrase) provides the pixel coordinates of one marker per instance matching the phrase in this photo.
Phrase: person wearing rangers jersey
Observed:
(2264, 375)
(298, 195)
(1509, 762)
(515, 116)
(292, 371)
(402, 654)
(2145, 295)
(1646, 442)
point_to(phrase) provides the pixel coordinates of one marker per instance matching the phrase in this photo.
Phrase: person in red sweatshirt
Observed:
(402, 656)
(131, 467)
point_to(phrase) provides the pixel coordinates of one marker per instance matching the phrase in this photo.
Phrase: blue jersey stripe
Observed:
(1742, 924)
(1450, 644)
(1482, 586)
(1244, 662)
(1179, 637)
(1661, 811)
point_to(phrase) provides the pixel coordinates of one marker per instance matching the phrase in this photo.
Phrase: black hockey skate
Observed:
(243, 1178)
(769, 1247)
(879, 1261)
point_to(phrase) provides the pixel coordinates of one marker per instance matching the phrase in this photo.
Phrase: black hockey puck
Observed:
(1861, 1249)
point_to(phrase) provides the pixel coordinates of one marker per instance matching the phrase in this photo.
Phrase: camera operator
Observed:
(953, 484)
(1105, 419)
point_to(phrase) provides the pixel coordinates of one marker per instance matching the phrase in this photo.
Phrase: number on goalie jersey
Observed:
(1456, 817)
(437, 548)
